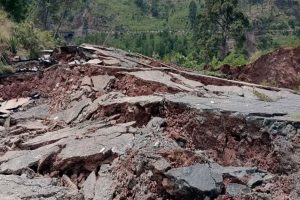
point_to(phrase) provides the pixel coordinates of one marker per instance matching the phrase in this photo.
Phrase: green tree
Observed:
(17, 9)
(219, 21)
(142, 4)
(154, 8)
(193, 14)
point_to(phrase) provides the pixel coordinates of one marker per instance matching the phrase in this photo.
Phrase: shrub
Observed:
(5, 30)
(297, 32)
(266, 42)
(32, 39)
(233, 59)
(12, 45)
(4, 69)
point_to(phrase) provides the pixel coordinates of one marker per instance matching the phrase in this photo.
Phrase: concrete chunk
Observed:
(101, 82)
(18, 161)
(86, 81)
(13, 104)
(198, 177)
(94, 61)
(89, 186)
(105, 185)
(16, 187)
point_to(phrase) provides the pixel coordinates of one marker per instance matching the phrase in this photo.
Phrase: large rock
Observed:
(198, 180)
(40, 111)
(73, 112)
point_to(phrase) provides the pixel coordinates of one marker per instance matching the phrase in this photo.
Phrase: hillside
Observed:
(173, 14)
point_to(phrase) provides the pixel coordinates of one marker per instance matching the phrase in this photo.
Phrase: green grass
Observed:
(262, 96)
(287, 41)
(5, 69)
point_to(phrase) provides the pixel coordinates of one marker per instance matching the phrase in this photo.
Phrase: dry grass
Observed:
(4, 69)
(6, 28)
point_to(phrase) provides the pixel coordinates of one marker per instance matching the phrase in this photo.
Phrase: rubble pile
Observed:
(101, 123)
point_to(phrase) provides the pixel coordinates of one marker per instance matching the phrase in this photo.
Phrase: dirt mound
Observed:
(280, 68)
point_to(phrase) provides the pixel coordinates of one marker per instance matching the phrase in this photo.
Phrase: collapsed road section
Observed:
(101, 123)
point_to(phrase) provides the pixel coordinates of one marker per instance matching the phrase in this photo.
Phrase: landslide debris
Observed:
(99, 123)
(280, 68)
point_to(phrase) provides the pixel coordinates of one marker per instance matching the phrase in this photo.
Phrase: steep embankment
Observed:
(280, 68)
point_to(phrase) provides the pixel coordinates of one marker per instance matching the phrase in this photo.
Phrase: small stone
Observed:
(7, 122)
(235, 189)
(255, 181)
(157, 144)
(161, 165)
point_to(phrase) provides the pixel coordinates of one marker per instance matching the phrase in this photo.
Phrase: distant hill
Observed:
(127, 15)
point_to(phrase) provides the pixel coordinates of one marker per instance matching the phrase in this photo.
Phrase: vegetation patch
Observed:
(262, 97)
(5, 69)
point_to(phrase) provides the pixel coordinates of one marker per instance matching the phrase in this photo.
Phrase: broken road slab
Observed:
(15, 187)
(131, 127)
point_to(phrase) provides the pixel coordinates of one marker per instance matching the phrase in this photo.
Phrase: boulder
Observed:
(198, 181)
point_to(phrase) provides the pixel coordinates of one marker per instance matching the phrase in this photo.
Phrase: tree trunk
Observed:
(59, 24)
(224, 49)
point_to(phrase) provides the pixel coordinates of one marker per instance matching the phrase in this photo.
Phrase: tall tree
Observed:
(142, 4)
(193, 13)
(154, 8)
(219, 21)
(17, 9)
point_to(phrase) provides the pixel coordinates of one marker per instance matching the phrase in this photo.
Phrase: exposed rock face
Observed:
(105, 124)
